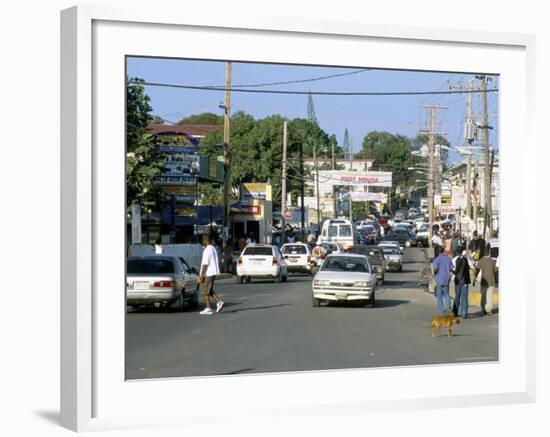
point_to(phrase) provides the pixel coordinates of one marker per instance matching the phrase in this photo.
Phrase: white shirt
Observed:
(210, 259)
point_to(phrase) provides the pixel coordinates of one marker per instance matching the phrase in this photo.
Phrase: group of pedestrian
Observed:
(454, 261)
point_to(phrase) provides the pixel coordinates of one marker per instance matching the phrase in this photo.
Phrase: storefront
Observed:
(252, 214)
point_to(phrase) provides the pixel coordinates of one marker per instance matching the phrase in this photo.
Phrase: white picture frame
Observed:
(93, 395)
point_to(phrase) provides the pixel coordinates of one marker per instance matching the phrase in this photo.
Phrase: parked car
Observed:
(394, 258)
(376, 258)
(261, 261)
(298, 257)
(160, 281)
(344, 277)
(404, 237)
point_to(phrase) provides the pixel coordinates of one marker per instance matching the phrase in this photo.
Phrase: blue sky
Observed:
(359, 114)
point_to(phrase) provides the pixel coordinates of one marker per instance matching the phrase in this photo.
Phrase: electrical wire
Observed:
(319, 93)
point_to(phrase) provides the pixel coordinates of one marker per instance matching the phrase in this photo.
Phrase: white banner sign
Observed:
(368, 197)
(371, 178)
(459, 198)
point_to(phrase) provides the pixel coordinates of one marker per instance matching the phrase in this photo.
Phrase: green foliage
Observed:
(204, 118)
(210, 194)
(390, 153)
(143, 160)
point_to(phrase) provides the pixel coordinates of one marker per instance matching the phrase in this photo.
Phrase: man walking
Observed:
(210, 268)
(477, 247)
(462, 282)
(488, 268)
(443, 266)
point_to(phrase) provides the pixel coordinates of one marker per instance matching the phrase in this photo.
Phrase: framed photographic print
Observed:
(304, 218)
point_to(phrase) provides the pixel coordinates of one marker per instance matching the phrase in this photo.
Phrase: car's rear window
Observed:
(149, 266)
(265, 251)
(391, 251)
(299, 249)
(345, 264)
(360, 250)
(345, 231)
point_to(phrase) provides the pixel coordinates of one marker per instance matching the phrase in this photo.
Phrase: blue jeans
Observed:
(443, 298)
(461, 299)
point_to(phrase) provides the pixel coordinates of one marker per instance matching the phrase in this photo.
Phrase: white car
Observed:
(390, 243)
(261, 261)
(298, 257)
(344, 277)
(394, 258)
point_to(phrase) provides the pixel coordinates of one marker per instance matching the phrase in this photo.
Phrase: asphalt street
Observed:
(267, 327)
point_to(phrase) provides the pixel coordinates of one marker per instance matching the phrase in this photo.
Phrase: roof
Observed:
(193, 130)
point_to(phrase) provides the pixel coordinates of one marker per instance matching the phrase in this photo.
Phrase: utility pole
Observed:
(332, 148)
(469, 134)
(490, 182)
(317, 185)
(486, 157)
(226, 157)
(431, 132)
(283, 182)
(302, 188)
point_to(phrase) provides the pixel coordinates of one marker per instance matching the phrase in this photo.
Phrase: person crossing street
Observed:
(210, 268)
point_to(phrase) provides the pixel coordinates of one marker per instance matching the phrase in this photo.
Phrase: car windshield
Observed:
(266, 251)
(149, 266)
(391, 251)
(298, 249)
(344, 264)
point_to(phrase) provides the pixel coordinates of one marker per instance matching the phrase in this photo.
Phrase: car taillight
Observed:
(349, 249)
(164, 284)
(274, 261)
(240, 260)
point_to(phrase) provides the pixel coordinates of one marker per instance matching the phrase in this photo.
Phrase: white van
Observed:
(340, 231)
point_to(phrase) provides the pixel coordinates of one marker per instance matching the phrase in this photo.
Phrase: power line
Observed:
(319, 93)
(302, 80)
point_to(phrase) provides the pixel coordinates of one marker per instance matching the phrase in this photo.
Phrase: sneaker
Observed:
(489, 313)
(207, 311)
(219, 306)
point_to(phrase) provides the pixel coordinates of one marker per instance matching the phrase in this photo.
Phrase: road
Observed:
(267, 327)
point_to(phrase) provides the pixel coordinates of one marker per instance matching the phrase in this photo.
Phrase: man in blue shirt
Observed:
(443, 266)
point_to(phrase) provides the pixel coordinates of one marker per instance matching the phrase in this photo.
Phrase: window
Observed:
(345, 231)
(262, 251)
(333, 231)
(298, 249)
(150, 266)
(345, 264)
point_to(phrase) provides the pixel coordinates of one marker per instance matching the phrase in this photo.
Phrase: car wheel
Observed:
(371, 301)
(400, 269)
(285, 278)
(316, 302)
(248, 279)
(278, 278)
(178, 304)
(239, 279)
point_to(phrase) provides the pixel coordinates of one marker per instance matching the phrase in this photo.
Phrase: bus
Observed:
(341, 231)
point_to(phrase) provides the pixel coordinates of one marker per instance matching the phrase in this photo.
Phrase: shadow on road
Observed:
(380, 303)
(237, 372)
(253, 308)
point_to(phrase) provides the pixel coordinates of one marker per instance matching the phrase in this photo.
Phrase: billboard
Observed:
(259, 191)
(356, 178)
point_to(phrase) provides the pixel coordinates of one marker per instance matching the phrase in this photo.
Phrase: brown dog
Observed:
(443, 321)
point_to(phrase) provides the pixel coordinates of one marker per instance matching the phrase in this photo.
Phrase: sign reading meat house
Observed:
(371, 178)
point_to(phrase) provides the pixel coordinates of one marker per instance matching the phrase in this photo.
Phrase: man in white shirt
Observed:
(210, 268)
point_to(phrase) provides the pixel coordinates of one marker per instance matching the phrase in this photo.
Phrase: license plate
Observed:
(141, 285)
(257, 261)
(341, 296)
(293, 260)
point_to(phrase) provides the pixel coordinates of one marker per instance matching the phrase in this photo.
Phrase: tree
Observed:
(157, 120)
(391, 153)
(256, 149)
(143, 159)
(347, 145)
(422, 139)
(203, 118)
(210, 194)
